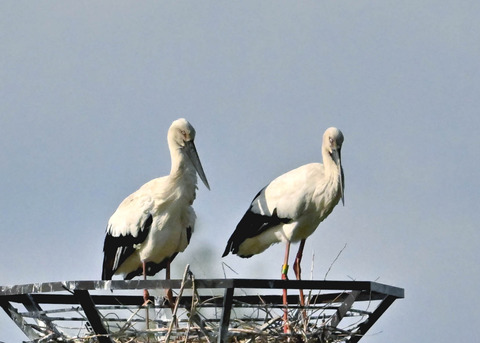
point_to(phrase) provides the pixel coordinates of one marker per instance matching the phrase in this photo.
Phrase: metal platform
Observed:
(206, 310)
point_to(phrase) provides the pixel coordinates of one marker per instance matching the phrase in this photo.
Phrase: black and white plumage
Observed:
(290, 208)
(152, 225)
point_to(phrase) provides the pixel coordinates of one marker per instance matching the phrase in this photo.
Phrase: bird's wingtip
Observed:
(228, 248)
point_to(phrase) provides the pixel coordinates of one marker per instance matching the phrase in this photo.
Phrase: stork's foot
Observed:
(146, 298)
(170, 298)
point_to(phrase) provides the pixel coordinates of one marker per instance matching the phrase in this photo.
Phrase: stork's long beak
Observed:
(192, 154)
(336, 156)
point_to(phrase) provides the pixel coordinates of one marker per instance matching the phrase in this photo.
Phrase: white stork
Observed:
(152, 225)
(290, 208)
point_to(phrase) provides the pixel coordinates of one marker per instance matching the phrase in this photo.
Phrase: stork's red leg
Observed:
(169, 291)
(146, 295)
(285, 277)
(298, 271)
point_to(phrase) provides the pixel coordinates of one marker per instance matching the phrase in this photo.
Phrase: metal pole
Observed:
(225, 321)
(92, 314)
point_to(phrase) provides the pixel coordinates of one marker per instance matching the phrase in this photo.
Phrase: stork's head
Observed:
(332, 140)
(180, 137)
(180, 131)
(332, 146)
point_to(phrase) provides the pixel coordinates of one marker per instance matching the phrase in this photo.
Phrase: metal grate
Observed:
(207, 310)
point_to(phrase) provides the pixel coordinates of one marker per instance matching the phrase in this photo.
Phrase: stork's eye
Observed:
(331, 140)
(183, 132)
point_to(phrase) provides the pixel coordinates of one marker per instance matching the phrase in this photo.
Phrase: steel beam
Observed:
(18, 319)
(32, 306)
(366, 325)
(225, 320)
(92, 315)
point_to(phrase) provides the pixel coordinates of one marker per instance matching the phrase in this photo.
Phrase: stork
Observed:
(290, 208)
(152, 225)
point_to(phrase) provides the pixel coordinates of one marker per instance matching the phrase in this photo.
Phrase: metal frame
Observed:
(338, 296)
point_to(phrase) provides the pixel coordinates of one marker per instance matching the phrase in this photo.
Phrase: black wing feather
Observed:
(252, 224)
(153, 268)
(122, 246)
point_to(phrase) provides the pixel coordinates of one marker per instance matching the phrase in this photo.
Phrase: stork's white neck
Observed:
(180, 162)
(331, 168)
(182, 168)
(333, 176)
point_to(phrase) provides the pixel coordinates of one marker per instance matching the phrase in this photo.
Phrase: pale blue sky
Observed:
(88, 90)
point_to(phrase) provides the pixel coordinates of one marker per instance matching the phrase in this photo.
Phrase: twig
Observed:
(223, 268)
(174, 314)
(335, 260)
